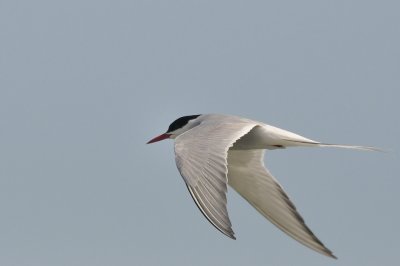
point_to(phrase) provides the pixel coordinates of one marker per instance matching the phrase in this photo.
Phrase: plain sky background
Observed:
(85, 84)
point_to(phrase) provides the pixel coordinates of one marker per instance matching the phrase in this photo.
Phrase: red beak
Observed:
(158, 138)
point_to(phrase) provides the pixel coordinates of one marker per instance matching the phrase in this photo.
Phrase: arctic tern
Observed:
(214, 150)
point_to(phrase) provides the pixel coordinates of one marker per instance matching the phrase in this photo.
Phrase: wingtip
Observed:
(332, 256)
(229, 233)
(327, 252)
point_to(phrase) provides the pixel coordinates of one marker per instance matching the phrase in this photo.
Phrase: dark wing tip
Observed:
(226, 231)
(330, 254)
(231, 235)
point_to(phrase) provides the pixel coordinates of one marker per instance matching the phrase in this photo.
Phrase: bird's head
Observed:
(178, 127)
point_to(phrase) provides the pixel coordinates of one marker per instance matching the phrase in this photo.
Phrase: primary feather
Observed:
(212, 151)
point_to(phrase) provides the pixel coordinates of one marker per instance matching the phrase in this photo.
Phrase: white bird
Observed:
(213, 150)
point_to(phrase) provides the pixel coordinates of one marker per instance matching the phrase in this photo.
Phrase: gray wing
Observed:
(248, 176)
(201, 157)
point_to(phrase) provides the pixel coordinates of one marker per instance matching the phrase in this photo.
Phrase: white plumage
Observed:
(213, 150)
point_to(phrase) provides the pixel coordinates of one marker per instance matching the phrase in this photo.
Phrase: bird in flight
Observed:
(214, 150)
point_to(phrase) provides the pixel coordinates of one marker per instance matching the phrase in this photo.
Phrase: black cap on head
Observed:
(181, 122)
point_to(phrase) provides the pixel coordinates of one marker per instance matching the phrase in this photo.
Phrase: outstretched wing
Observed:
(201, 157)
(248, 176)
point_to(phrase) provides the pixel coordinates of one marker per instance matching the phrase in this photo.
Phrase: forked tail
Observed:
(354, 147)
(312, 143)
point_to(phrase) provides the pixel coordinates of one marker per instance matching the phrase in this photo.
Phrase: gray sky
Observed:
(85, 84)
